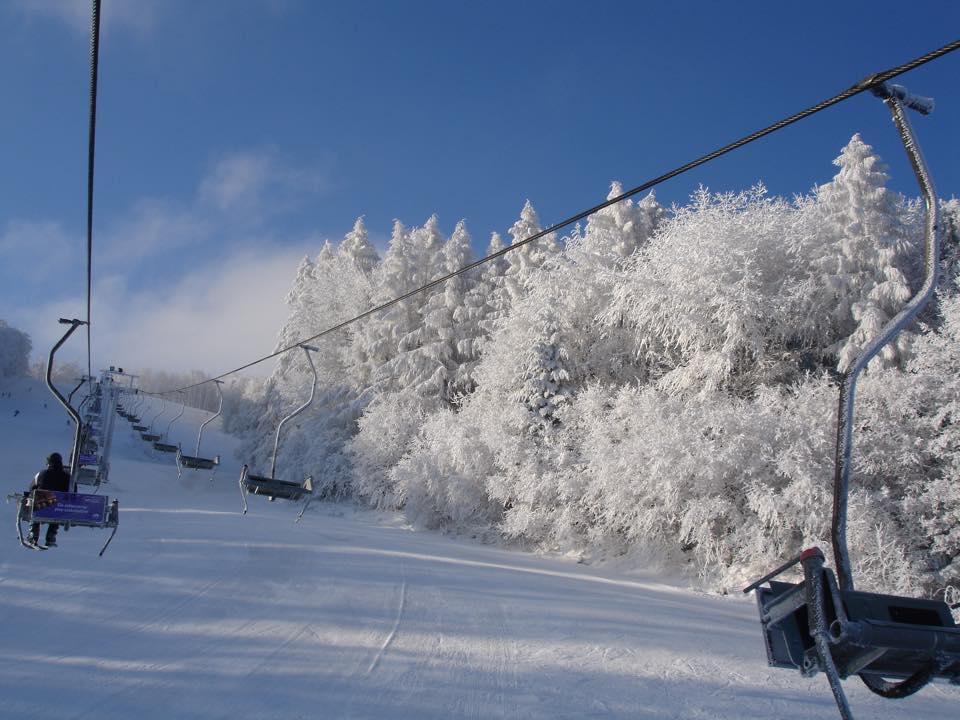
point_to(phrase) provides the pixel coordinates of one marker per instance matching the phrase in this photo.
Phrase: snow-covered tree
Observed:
(401, 378)
(378, 340)
(654, 385)
(451, 333)
(300, 301)
(356, 245)
(490, 296)
(863, 264)
(522, 262)
(616, 232)
(714, 299)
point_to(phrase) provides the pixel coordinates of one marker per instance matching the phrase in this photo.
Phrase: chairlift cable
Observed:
(91, 146)
(867, 84)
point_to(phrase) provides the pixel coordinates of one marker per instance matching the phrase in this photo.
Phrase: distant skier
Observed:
(54, 477)
(16, 412)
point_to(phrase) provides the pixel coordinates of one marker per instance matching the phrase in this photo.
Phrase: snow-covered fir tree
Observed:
(491, 295)
(615, 232)
(523, 262)
(869, 278)
(451, 332)
(356, 245)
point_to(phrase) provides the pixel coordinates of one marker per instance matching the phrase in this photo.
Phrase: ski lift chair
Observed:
(897, 645)
(269, 485)
(150, 436)
(88, 469)
(161, 444)
(66, 508)
(196, 462)
(132, 416)
(122, 410)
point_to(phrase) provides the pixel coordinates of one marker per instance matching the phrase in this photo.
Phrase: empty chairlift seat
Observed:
(273, 488)
(147, 434)
(161, 444)
(196, 461)
(913, 640)
(269, 485)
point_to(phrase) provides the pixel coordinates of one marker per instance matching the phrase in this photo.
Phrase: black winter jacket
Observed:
(53, 478)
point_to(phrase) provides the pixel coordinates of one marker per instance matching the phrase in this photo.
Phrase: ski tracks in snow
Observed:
(396, 623)
(447, 634)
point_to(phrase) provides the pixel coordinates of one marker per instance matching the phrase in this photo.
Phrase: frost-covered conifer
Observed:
(615, 232)
(863, 267)
(522, 262)
(450, 330)
(378, 340)
(356, 246)
(401, 374)
(491, 292)
(400, 332)
(428, 359)
(300, 300)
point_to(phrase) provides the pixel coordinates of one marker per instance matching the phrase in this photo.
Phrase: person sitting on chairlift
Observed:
(54, 477)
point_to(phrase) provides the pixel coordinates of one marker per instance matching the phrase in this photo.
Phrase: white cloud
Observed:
(148, 312)
(212, 319)
(37, 251)
(151, 227)
(138, 15)
(257, 183)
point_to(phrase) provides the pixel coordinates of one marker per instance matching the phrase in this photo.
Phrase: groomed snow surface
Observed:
(198, 612)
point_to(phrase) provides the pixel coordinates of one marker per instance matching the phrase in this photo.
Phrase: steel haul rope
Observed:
(91, 147)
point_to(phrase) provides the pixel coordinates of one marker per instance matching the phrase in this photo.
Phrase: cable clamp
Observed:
(922, 105)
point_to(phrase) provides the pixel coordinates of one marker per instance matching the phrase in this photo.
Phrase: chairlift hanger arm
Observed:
(313, 392)
(177, 417)
(163, 409)
(892, 97)
(75, 458)
(217, 384)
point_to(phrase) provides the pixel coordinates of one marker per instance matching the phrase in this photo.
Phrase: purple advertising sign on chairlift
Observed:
(88, 459)
(62, 507)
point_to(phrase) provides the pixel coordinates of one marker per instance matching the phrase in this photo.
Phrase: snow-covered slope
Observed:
(198, 612)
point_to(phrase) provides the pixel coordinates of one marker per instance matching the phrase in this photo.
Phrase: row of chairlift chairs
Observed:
(250, 483)
(89, 463)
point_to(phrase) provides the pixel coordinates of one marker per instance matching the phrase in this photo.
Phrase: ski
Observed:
(32, 546)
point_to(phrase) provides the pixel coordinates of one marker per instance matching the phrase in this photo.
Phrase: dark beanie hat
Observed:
(55, 460)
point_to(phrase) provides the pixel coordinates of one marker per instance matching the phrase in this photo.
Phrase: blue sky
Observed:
(234, 136)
